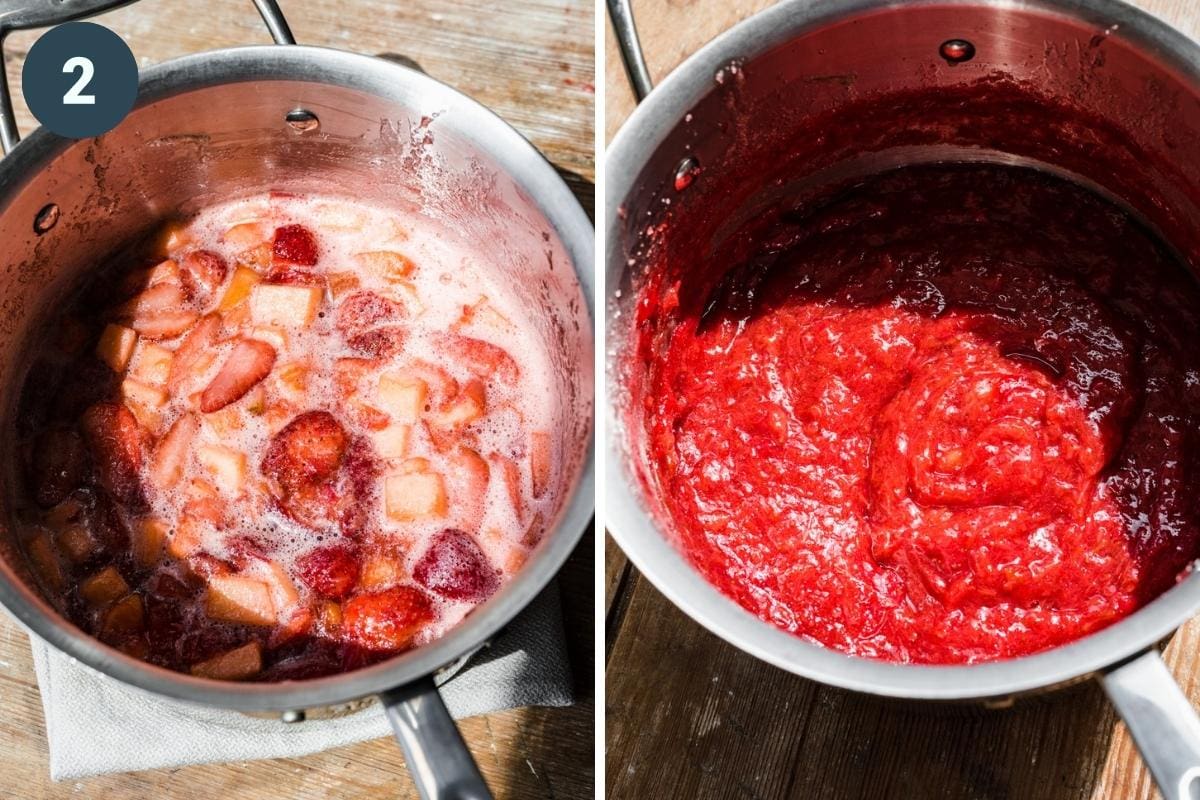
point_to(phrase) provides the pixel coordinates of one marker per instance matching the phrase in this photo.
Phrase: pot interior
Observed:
(386, 136)
(811, 99)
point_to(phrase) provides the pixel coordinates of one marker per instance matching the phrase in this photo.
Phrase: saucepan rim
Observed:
(626, 506)
(512, 154)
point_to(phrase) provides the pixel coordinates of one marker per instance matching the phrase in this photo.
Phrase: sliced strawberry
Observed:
(386, 620)
(329, 571)
(468, 486)
(381, 343)
(455, 567)
(59, 465)
(244, 549)
(201, 272)
(293, 277)
(117, 446)
(248, 363)
(308, 449)
(362, 311)
(106, 526)
(360, 472)
(170, 455)
(194, 347)
(294, 244)
(484, 359)
(159, 312)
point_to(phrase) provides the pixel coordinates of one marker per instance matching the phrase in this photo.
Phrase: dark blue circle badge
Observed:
(80, 79)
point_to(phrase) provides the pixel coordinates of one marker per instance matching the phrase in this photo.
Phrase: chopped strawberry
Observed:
(381, 343)
(455, 567)
(248, 363)
(193, 349)
(59, 464)
(484, 359)
(293, 277)
(303, 657)
(206, 565)
(308, 449)
(201, 272)
(362, 311)
(361, 471)
(106, 526)
(170, 456)
(294, 244)
(246, 548)
(386, 620)
(329, 571)
(116, 443)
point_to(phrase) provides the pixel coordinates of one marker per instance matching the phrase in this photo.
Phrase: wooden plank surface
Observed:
(531, 62)
(690, 716)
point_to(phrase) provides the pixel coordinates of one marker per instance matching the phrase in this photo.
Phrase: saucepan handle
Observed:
(438, 758)
(621, 14)
(45, 13)
(1163, 723)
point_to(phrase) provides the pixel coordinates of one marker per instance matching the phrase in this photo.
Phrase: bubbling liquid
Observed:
(319, 433)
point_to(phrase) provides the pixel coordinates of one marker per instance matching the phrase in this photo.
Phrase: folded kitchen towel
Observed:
(95, 724)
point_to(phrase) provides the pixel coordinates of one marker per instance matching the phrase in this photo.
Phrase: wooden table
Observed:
(532, 62)
(689, 716)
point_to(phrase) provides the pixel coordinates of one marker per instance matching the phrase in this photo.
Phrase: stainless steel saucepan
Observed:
(760, 92)
(235, 122)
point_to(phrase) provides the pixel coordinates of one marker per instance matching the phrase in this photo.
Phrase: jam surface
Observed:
(945, 415)
(292, 437)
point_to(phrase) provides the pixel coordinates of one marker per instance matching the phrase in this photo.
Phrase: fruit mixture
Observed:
(304, 435)
(949, 414)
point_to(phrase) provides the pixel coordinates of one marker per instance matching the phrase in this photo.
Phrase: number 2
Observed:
(86, 71)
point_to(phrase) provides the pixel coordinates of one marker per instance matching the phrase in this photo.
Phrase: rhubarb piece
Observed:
(468, 485)
(127, 616)
(68, 511)
(246, 235)
(386, 264)
(380, 570)
(402, 396)
(248, 362)
(484, 314)
(115, 440)
(45, 562)
(454, 567)
(388, 620)
(170, 456)
(152, 364)
(115, 347)
(164, 272)
(464, 409)
(187, 538)
(243, 281)
(106, 586)
(272, 335)
(240, 600)
(149, 536)
(540, 461)
(76, 543)
(509, 475)
(59, 466)
(239, 664)
(283, 304)
(414, 496)
(329, 571)
(342, 283)
(391, 442)
(294, 244)
(226, 465)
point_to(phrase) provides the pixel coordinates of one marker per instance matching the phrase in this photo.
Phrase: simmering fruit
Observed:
(287, 449)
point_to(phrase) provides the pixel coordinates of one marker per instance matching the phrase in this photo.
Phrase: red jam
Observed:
(947, 415)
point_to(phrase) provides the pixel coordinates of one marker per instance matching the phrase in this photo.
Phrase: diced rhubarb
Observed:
(244, 279)
(226, 465)
(540, 461)
(200, 273)
(484, 314)
(66, 512)
(76, 543)
(468, 485)
(240, 600)
(186, 539)
(381, 570)
(330, 571)
(149, 535)
(342, 284)
(152, 364)
(284, 595)
(386, 264)
(127, 616)
(106, 586)
(286, 305)
(174, 235)
(392, 441)
(59, 465)
(135, 392)
(171, 454)
(402, 396)
(248, 362)
(240, 664)
(226, 422)
(509, 474)
(292, 380)
(464, 409)
(454, 567)
(195, 350)
(272, 335)
(164, 272)
(245, 235)
(330, 614)
(115, 347)
(386, 620)
(415, 495)
(116, 442)
(44, 561)
(294, 244)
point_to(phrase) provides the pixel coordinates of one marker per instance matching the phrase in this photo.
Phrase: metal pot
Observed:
(713, 140)
(240, 121)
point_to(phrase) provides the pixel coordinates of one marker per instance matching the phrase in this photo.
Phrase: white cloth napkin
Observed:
(95, 724)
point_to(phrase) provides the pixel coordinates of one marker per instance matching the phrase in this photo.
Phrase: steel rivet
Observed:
(686, 172)
(956, 51)
(302, 121)
(292, 716)
(46, 219)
